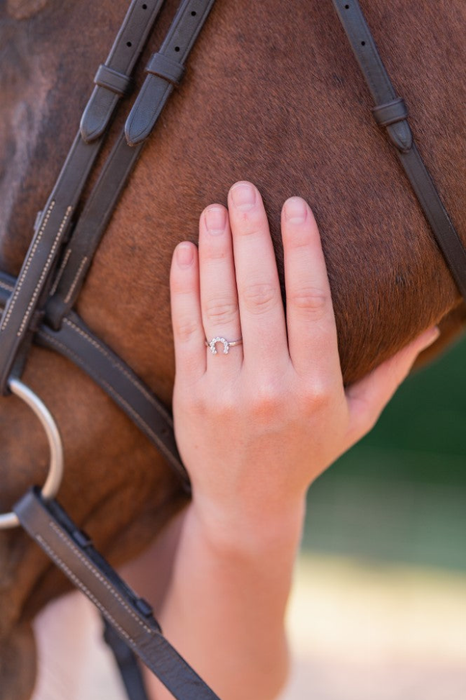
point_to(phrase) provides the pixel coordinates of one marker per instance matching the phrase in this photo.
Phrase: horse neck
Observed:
(274, 95)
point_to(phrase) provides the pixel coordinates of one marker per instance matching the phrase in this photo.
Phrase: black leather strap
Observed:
(154, 94)
(54, 222)
(79, 252)
(76, 342)
(132, 617)
(158, 85)
(127, 664)
(113, 79)
(390, 111)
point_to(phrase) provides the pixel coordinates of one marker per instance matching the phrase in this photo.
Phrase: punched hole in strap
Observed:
(165, 68)
(113, 80)
(391, 112)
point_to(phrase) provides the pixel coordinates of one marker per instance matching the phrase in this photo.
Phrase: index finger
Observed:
(312, 334)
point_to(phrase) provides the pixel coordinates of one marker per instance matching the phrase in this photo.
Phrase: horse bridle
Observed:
(38, 305)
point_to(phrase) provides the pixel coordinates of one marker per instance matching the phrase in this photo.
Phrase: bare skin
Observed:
(255, 429)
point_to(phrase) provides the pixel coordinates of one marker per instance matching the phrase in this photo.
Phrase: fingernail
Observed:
(184, 254)
(243, 195)
(215, 220)
(295, 210)
(429, 337)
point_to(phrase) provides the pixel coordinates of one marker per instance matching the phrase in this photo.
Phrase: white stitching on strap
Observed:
(99, 576)
(76, 279)
(60, 272)
(19, 284)
(79, 584)
(119, 366)
(44, 271)
(113, 392)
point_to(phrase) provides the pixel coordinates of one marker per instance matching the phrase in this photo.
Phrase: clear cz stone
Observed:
(213, 344)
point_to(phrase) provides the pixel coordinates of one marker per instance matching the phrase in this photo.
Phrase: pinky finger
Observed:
(188, 331)
(368, 397)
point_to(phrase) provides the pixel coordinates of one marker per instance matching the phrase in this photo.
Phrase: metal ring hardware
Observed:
(55, 474)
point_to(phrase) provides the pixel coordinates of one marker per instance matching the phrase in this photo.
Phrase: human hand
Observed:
(257, 426)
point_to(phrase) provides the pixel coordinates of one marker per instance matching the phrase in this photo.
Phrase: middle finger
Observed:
(261, 307)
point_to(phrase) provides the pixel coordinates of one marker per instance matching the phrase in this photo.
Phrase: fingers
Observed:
(261, 307)
(190, 350)
(312, 335)
(368, 398)
(219, 299)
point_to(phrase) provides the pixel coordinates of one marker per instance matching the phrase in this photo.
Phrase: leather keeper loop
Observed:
(114, 81)
(165, 68)
(391, 112)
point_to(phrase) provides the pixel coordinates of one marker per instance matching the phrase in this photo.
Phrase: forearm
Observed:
(225, 608)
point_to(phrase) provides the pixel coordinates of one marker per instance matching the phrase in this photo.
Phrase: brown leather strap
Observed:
(113, 79)
(159, 83)
(54, 222)
(127, 663)
(76, 342)
(154, 94)
(132, 617)
(390, 111)
(78, 254)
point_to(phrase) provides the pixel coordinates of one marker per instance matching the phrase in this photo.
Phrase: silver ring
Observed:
(227, 344)
(55, 475)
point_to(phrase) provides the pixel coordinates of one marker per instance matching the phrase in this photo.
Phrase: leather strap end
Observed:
(97, 114)
(110, 85)
(166, 68)
(147, 108)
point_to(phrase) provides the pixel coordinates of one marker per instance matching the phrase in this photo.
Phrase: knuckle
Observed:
(224, 405)
(311, 300)
(195, 404)
(266, 401)
(185, 330)
(221, 312)
(318, 395)
(247, 224)
(215, 252)
(260, 297)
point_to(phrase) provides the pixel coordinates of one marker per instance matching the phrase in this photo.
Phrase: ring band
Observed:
(227, 344)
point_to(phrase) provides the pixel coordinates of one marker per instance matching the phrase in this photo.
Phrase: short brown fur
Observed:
(273, 95)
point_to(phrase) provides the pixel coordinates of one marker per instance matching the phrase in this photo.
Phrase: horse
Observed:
(272, 94)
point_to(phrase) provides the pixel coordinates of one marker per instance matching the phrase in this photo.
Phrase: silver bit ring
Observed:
(55, 475)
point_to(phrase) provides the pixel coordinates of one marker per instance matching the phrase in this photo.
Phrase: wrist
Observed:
(247, 529)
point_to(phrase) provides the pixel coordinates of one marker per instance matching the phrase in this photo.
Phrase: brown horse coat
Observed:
(272, 94)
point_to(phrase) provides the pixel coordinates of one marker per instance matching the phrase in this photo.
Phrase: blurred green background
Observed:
(400, 494)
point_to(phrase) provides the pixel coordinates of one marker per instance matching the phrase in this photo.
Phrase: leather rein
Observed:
(38, 305)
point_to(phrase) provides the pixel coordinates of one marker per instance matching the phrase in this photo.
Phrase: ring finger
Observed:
(219, 297)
